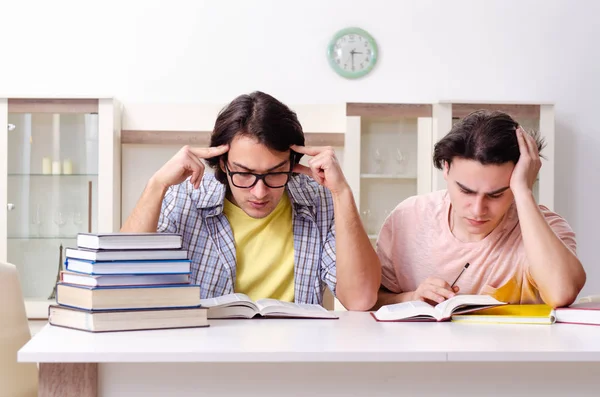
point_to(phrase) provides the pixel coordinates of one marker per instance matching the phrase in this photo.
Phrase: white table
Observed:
(354, 355)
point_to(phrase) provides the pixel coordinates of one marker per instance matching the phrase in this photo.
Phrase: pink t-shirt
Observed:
(416, 243)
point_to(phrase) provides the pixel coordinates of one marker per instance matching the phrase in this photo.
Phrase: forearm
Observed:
(144, 217)
(385, 297)
(357, 265)
(555, 269)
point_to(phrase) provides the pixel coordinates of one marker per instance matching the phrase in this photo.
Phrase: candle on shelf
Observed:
(56, 167)
(67, 167)
(46, 166)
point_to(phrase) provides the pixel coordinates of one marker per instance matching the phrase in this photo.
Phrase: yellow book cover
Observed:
(510, 314)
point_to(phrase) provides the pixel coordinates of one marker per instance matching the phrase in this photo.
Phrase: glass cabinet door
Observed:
(52, 194)
(391, 166)
(387, 148)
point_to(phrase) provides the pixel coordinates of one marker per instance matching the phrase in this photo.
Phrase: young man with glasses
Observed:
(263, 224)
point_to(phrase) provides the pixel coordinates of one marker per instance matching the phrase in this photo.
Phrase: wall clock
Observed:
(352, 53)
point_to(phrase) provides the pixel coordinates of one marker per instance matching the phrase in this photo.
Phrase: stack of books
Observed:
(126, 282)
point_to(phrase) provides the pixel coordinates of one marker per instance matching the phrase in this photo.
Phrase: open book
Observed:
(422, 311)
(241, 306)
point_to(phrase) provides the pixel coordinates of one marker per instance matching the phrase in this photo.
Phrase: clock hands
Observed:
(351, 57)
(352, 53)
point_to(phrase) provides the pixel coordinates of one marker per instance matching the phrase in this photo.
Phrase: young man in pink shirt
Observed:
(517, 250)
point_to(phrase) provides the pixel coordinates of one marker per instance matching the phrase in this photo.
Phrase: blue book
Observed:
(128, 267)
(126, 255)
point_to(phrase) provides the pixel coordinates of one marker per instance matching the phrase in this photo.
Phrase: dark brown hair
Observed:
(483, 136)
(260, 116)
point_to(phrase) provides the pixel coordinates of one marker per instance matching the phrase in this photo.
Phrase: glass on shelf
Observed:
(59, 219)
(77, 220)
(37, 220)
(379, 159)
(401, 160)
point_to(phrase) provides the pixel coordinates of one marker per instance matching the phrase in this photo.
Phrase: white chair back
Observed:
(16, 379)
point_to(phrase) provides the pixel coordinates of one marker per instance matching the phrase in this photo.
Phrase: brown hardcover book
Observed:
(127, 320)
(128, 297)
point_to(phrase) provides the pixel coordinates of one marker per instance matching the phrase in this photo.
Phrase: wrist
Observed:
(342, 192)
(523, 194)
(405, 297)
(155, 185)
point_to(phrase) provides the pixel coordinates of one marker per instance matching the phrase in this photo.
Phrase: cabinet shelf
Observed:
(388, 176)
(50, 175)
(42, 238)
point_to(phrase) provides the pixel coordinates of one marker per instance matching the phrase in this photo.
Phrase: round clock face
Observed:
(352, 53)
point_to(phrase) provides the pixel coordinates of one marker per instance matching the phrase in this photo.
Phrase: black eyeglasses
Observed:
(246, 180)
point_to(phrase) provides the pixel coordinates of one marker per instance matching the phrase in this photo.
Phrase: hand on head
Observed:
(187, 162)
(323, 167)
(529, 164)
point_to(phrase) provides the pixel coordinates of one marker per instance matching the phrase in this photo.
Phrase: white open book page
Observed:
(228, 300)
(240, 305)
(444, 310)
(272, 306)
(464, 303)
(230, 306)
(406, 310)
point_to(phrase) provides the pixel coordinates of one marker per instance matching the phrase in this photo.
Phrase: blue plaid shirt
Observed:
(197, 214)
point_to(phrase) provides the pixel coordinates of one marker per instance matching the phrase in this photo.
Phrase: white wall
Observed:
(211, 51)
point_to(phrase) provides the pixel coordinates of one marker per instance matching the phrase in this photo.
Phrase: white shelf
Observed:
(388, 176)
(42, 237)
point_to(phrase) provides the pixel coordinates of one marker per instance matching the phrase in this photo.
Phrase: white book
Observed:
(422, 311)
(125, 255)
(126, 241)
(241, 306)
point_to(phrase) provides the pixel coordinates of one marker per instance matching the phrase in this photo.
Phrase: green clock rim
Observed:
(343, 32)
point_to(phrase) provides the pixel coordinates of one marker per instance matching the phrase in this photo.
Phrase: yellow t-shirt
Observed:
(264, 252)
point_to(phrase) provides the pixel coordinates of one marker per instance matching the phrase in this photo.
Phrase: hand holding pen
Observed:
(434, 290)
(460, 274)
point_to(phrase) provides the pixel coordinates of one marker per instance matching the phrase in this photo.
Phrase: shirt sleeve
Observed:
(168, 213)
(328, 261)
(561, 228)
(385, 244)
